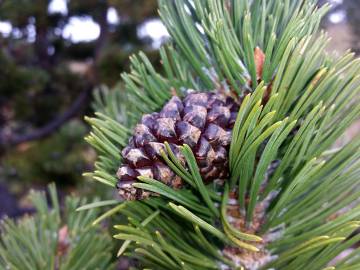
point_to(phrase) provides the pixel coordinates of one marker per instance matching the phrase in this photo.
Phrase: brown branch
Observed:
(10, 140)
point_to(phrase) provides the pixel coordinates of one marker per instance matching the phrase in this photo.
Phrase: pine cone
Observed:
(202, 120)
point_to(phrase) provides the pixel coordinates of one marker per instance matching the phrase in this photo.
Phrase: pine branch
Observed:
(288, 202)
(51, 127)
(54, 239)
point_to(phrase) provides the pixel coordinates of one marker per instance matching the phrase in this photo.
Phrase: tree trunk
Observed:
(41, 46)
(104, 31)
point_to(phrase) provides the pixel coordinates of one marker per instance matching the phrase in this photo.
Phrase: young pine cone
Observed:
(202, 120)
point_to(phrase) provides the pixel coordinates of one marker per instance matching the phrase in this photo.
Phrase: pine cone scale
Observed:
(202, 120)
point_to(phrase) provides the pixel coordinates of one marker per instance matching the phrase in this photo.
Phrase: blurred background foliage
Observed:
(62, 157)
(54, 53)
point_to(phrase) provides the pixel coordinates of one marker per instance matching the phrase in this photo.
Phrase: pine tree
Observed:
(289, 199)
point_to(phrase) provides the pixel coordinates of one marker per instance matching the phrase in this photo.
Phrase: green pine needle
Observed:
(286, 179)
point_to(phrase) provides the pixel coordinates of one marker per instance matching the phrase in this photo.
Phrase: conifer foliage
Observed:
(54, 238)
(290, 199)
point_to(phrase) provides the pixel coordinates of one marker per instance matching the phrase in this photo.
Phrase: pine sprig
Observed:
(54, 238)
(296, 199)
